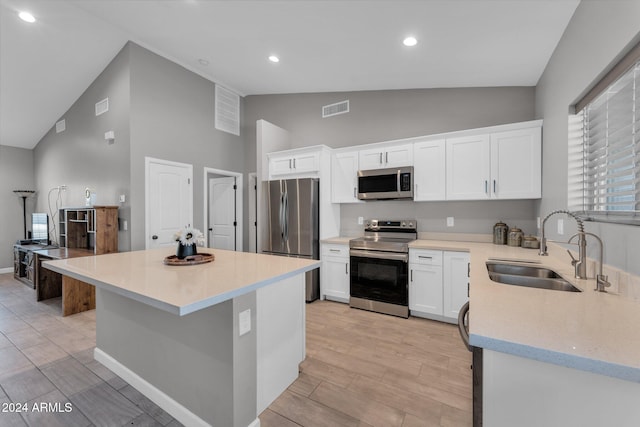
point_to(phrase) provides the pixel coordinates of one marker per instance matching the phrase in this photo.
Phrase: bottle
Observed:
(500, 233)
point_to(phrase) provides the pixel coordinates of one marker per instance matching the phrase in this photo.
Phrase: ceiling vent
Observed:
(102, 106)
(61, 126)
(335, 109)
(227, 110)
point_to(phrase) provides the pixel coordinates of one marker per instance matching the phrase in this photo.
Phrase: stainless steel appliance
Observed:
(391, 183)
(293, 227)
(380, 266)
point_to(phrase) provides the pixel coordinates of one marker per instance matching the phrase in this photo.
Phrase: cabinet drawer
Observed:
(335, 250)
(425, 257)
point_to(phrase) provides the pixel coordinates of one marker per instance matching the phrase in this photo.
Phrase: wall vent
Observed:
(102, 106)
(227, 110)
(335, 109)
(61, 126)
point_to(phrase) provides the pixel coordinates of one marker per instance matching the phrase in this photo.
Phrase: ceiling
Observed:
(324, 46)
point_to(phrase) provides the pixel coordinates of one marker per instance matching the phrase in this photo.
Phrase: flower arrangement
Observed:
(189, 236)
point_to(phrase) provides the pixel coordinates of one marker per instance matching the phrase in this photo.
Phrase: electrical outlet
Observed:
(360, 220)
(560, 226)
(538, 223)
(123, 198)
(450, 221)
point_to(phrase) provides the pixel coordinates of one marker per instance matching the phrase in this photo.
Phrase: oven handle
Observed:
(380, 255)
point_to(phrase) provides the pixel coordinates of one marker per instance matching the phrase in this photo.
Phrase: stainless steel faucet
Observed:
(601, 280)
(579, 264)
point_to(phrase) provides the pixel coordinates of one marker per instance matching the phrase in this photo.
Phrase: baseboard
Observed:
(173, 408)
(6, 270)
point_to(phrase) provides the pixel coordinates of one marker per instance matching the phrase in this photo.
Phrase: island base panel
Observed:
(529, 393)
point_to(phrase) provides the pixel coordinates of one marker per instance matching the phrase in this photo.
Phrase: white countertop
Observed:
(588, 330)
(142, 276)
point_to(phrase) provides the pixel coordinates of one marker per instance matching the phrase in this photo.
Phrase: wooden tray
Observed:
(189, 260)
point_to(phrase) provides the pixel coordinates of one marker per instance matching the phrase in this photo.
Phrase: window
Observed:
(604, 150)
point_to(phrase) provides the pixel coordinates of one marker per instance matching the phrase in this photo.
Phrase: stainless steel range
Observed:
(380, 266)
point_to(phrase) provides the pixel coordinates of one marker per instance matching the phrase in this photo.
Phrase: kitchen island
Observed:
(212, 344)
(551, 357)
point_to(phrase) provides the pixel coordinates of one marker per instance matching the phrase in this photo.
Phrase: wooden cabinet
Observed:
(429, 176)
(344, 177)
(289, 165)
(93, 228)
(386, 157)
(334, 274)
(438, 283)
(499, 165)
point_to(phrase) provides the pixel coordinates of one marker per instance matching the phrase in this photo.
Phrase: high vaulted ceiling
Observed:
(322, 45)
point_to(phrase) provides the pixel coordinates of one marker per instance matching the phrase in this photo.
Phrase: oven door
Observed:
(380, 276)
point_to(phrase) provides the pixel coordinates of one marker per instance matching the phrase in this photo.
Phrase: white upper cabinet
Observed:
(498, 165)
(386, 157)
(344, 177)
(468, 167)
(289, 164)
(516, 171)
(429, 176)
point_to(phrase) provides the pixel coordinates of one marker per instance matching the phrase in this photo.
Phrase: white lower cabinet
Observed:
(334, 272)
(438, 283)
(455, 282)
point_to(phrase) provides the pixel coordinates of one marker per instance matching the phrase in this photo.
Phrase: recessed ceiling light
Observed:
(203, 62)
(274, 58)
(410, 41)
(26, 16)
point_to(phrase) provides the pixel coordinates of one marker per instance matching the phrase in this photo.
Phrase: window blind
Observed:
(611, 148)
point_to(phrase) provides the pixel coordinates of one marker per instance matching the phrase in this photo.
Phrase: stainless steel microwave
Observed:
(390, 183)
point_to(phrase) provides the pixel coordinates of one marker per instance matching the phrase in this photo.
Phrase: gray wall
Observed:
(386, 115)
(80, 157)
(599, 32)
(172, 118)
(16, 173)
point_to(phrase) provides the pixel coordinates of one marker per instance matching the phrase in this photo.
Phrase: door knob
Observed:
(154, 237)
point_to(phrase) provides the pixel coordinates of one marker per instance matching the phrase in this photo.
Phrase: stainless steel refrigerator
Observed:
(293, 227)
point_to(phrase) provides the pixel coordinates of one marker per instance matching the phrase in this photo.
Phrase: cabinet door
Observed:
(371, 159)
(468, 168)
(429, 170)
(425, 289)
(399, 155)
(344, 177)
(280, 165)
(516, 164)
(334, 278)
(455, 282)
(307, 162)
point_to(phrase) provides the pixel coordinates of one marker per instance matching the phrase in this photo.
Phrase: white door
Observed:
(222, 213)
(169, 201)
(468, 167)
(429, 170)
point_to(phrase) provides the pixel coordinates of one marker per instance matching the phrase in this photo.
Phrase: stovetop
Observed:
(386, 235)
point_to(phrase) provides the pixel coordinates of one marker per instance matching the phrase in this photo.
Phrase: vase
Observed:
(186, 250)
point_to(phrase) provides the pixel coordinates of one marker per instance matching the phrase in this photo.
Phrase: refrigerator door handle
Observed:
(286, 217)
(281, 216)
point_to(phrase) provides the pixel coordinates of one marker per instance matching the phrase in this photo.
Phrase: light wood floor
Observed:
(370, 369)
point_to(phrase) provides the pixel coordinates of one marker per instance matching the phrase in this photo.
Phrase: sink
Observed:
(529, 276)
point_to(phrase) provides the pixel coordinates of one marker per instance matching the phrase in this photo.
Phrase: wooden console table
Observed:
(76, 296)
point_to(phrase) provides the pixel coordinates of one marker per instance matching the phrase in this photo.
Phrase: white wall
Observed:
(599, 32)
